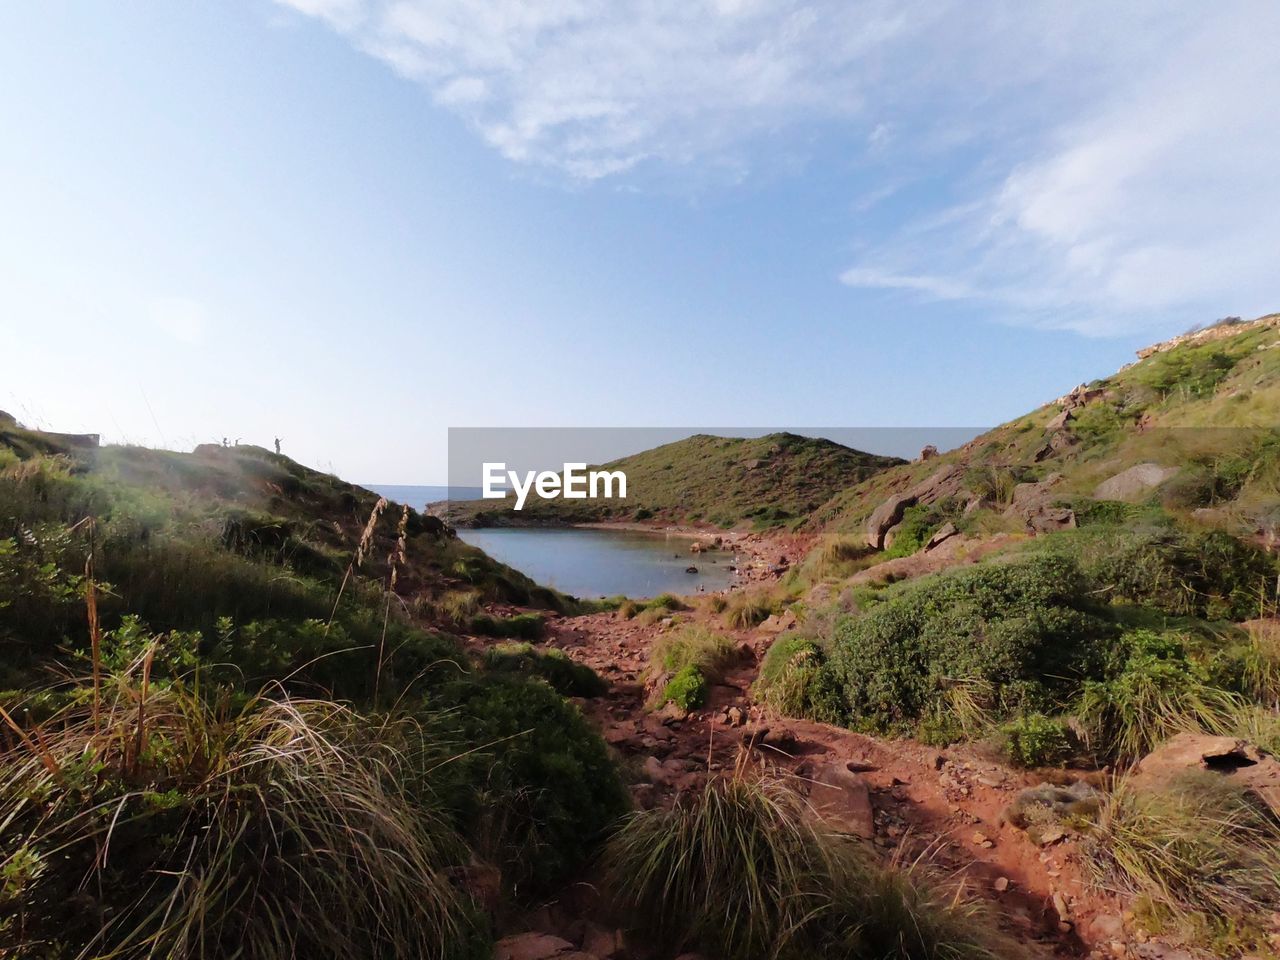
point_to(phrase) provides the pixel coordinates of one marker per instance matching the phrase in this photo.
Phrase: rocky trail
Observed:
(912, 802)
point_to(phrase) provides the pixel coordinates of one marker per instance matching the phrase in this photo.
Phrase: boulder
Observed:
(842, 799)
(1134, 483)
(946, 482)
(1059, 422)
(1248, 766)
(887, 516)
(945, 532)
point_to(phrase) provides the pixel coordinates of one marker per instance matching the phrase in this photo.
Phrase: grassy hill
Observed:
(727, 481)
(1204, 407)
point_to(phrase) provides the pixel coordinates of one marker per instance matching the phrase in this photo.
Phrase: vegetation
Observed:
(1025, 632)
(747, 609)
(566, 676)
(687, 689)
(151, 822)
(739, 870)
(267, 716)
(1203, 856)
(1035, 740)
(794, 680)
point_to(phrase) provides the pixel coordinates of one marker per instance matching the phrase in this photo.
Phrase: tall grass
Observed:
(169, 828)
(1201, 851)
(746, 610)
(741, 870)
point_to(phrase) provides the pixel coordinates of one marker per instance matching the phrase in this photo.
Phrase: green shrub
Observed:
(1035, 740)
(795, 680)
(739, 871)
(567, 677)
(1026, 630)
(687, 689)
(1157, 690)
(1188, 371)
(1211, 575)
(536, 790)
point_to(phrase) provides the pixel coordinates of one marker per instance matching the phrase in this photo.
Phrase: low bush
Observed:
(795, 680)
(1201, 853)
(1035, 740)
(524, 626)
(919, 523)
(1157, 690)
(687, 689)
(537, 791)
(740, 871)
(1026, 631)
(566, 676)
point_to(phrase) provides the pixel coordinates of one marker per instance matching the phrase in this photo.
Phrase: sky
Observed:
(354, 224)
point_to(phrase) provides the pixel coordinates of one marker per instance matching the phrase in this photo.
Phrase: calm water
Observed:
(604, 563)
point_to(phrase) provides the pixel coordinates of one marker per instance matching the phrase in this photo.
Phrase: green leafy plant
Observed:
(687, 689)
(1035, 740)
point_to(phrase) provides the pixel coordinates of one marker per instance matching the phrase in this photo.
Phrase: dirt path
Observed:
(906, 799)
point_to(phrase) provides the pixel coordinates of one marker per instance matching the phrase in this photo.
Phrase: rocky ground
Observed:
(908, 800)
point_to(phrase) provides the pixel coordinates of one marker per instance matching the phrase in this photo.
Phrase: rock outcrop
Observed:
(946, 482)
(1134, 484)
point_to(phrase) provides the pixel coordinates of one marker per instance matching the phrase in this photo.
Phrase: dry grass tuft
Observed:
(168, 828)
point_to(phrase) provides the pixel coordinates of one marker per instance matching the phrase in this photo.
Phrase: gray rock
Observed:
(1134, 483)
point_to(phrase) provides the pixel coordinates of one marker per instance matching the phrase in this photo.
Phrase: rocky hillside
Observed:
(1190, 427)
(762, 482)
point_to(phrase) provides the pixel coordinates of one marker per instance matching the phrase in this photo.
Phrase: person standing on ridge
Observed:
(277, 445)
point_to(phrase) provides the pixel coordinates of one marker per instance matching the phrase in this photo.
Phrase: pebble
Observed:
(1001, 884)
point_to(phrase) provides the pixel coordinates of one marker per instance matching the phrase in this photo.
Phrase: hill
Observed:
(1190, 427)
(726, 481)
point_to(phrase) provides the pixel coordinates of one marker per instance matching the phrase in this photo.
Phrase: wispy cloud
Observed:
(1102, 166)
(1158, 203)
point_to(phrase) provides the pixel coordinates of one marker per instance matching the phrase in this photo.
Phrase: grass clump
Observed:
(566, 676)
(795, 680)
(525, 626)
(1200, 852)
(708, 652)
(740, 871)
(155, 825)
(687, 689)
(747, 610)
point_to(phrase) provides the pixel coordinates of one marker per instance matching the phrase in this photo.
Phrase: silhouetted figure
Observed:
(277, 445)
(224, 442)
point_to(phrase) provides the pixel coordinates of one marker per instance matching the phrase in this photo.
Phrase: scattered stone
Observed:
(1001, 884)
(735, 716)
(1107, 926)
(1060, 906)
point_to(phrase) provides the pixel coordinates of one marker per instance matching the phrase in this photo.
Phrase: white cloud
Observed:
(1091, 165)
(1158, 204)
(596, 87)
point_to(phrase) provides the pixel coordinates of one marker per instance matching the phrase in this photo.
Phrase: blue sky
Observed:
(355, 223)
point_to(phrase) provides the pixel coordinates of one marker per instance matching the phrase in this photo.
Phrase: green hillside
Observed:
(727, 481)
(1204, 409)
